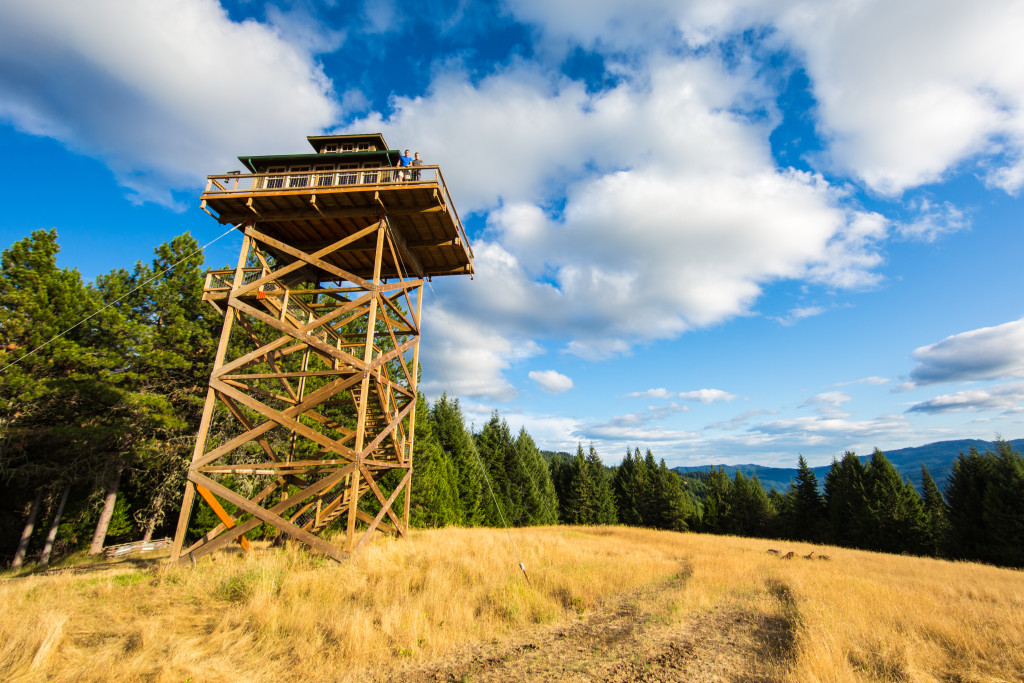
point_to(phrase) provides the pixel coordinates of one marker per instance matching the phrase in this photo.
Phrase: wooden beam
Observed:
(204, 421)
(270, 517)
(222, 515)
(319, 211)
(412, 262)
(308, 258)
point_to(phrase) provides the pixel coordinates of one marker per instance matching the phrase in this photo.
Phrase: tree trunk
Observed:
(151, 524)
(44, 559)
(26, 534)
(108, 512)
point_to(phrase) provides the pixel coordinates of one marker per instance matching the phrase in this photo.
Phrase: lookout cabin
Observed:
(347, 183)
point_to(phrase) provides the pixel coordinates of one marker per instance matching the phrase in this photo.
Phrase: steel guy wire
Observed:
(93, 315)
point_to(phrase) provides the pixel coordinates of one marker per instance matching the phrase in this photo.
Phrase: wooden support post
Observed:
(211, 399)
(412, 418)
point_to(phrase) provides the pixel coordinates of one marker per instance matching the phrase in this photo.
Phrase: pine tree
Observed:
(649, 479)
(674, 510)
(561, 468)
(846, 502)
(434, 498)
(1003, 507)
(495, 446)
(628, 485)
(603, 511)
(455, 440)
(782, 525)
(718, 502)
(66, 408)
(541, 502)
(174, 336)
(750, 513)
(804, 510)
(896, 521)
(937, 515)
(581, 498)
(965, 493)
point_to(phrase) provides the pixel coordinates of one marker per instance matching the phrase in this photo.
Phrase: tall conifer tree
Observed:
(581, 497)
(936, 513)
(628, 485)
(434, 498)
(804, 509)
(540, 500)
(965, 492)
(604, 511)
(1003, 507)
(896, 521)
(455, 440)
(846, 502)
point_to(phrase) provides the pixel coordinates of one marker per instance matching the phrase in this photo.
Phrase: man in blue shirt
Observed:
(404, 160)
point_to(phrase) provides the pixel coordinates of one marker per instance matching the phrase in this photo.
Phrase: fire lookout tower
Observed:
(318, 357)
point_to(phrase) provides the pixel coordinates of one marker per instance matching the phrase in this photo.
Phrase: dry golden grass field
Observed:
(603, 604)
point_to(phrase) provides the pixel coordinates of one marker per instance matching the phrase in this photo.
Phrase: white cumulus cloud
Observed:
(164, 92)
(551, 381)
(707, 396)
(906, 90)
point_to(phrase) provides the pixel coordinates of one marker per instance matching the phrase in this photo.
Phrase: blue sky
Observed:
(728, 230)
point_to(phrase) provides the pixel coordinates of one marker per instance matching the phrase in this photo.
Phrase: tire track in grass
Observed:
(631, 640)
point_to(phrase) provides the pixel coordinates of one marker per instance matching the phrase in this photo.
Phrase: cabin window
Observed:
(324, 175)
(346, 176)
(299, 177)
(370, 176)
(328, 149)
(274, 182)
(348, 147)
(363, 147)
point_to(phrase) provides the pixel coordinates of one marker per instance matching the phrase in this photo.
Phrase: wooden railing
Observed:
(281, 182)
(306, 181)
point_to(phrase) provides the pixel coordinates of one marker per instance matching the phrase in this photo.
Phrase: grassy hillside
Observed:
(603, 603)
(938, 457)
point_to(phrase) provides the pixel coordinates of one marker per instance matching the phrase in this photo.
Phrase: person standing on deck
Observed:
(403, 161)
(416, 162)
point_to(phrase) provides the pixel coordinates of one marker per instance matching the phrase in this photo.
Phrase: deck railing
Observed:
(306, 181)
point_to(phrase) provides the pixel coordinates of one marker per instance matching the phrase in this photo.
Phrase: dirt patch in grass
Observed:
(628, 640)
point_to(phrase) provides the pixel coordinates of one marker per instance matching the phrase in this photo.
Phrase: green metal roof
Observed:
(390, 156)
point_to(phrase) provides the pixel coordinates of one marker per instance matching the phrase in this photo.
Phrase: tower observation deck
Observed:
(309, 421)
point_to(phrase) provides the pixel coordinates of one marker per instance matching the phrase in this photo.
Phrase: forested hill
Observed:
(938, 457)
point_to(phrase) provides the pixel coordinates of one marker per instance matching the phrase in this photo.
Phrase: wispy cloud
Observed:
(652, 393)
(705, 396)
(740, 420)
(872, 381)
(986, 353)
(813, 429)
(632, 426)
(1008, 398)
(799, 313)
(828, 404)
(933, 221)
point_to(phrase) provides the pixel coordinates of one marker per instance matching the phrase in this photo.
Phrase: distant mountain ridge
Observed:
(938, 457)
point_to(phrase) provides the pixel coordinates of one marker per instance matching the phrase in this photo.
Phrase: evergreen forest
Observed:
(99, 407)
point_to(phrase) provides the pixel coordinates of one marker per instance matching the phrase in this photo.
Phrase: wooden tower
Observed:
(318, 357)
